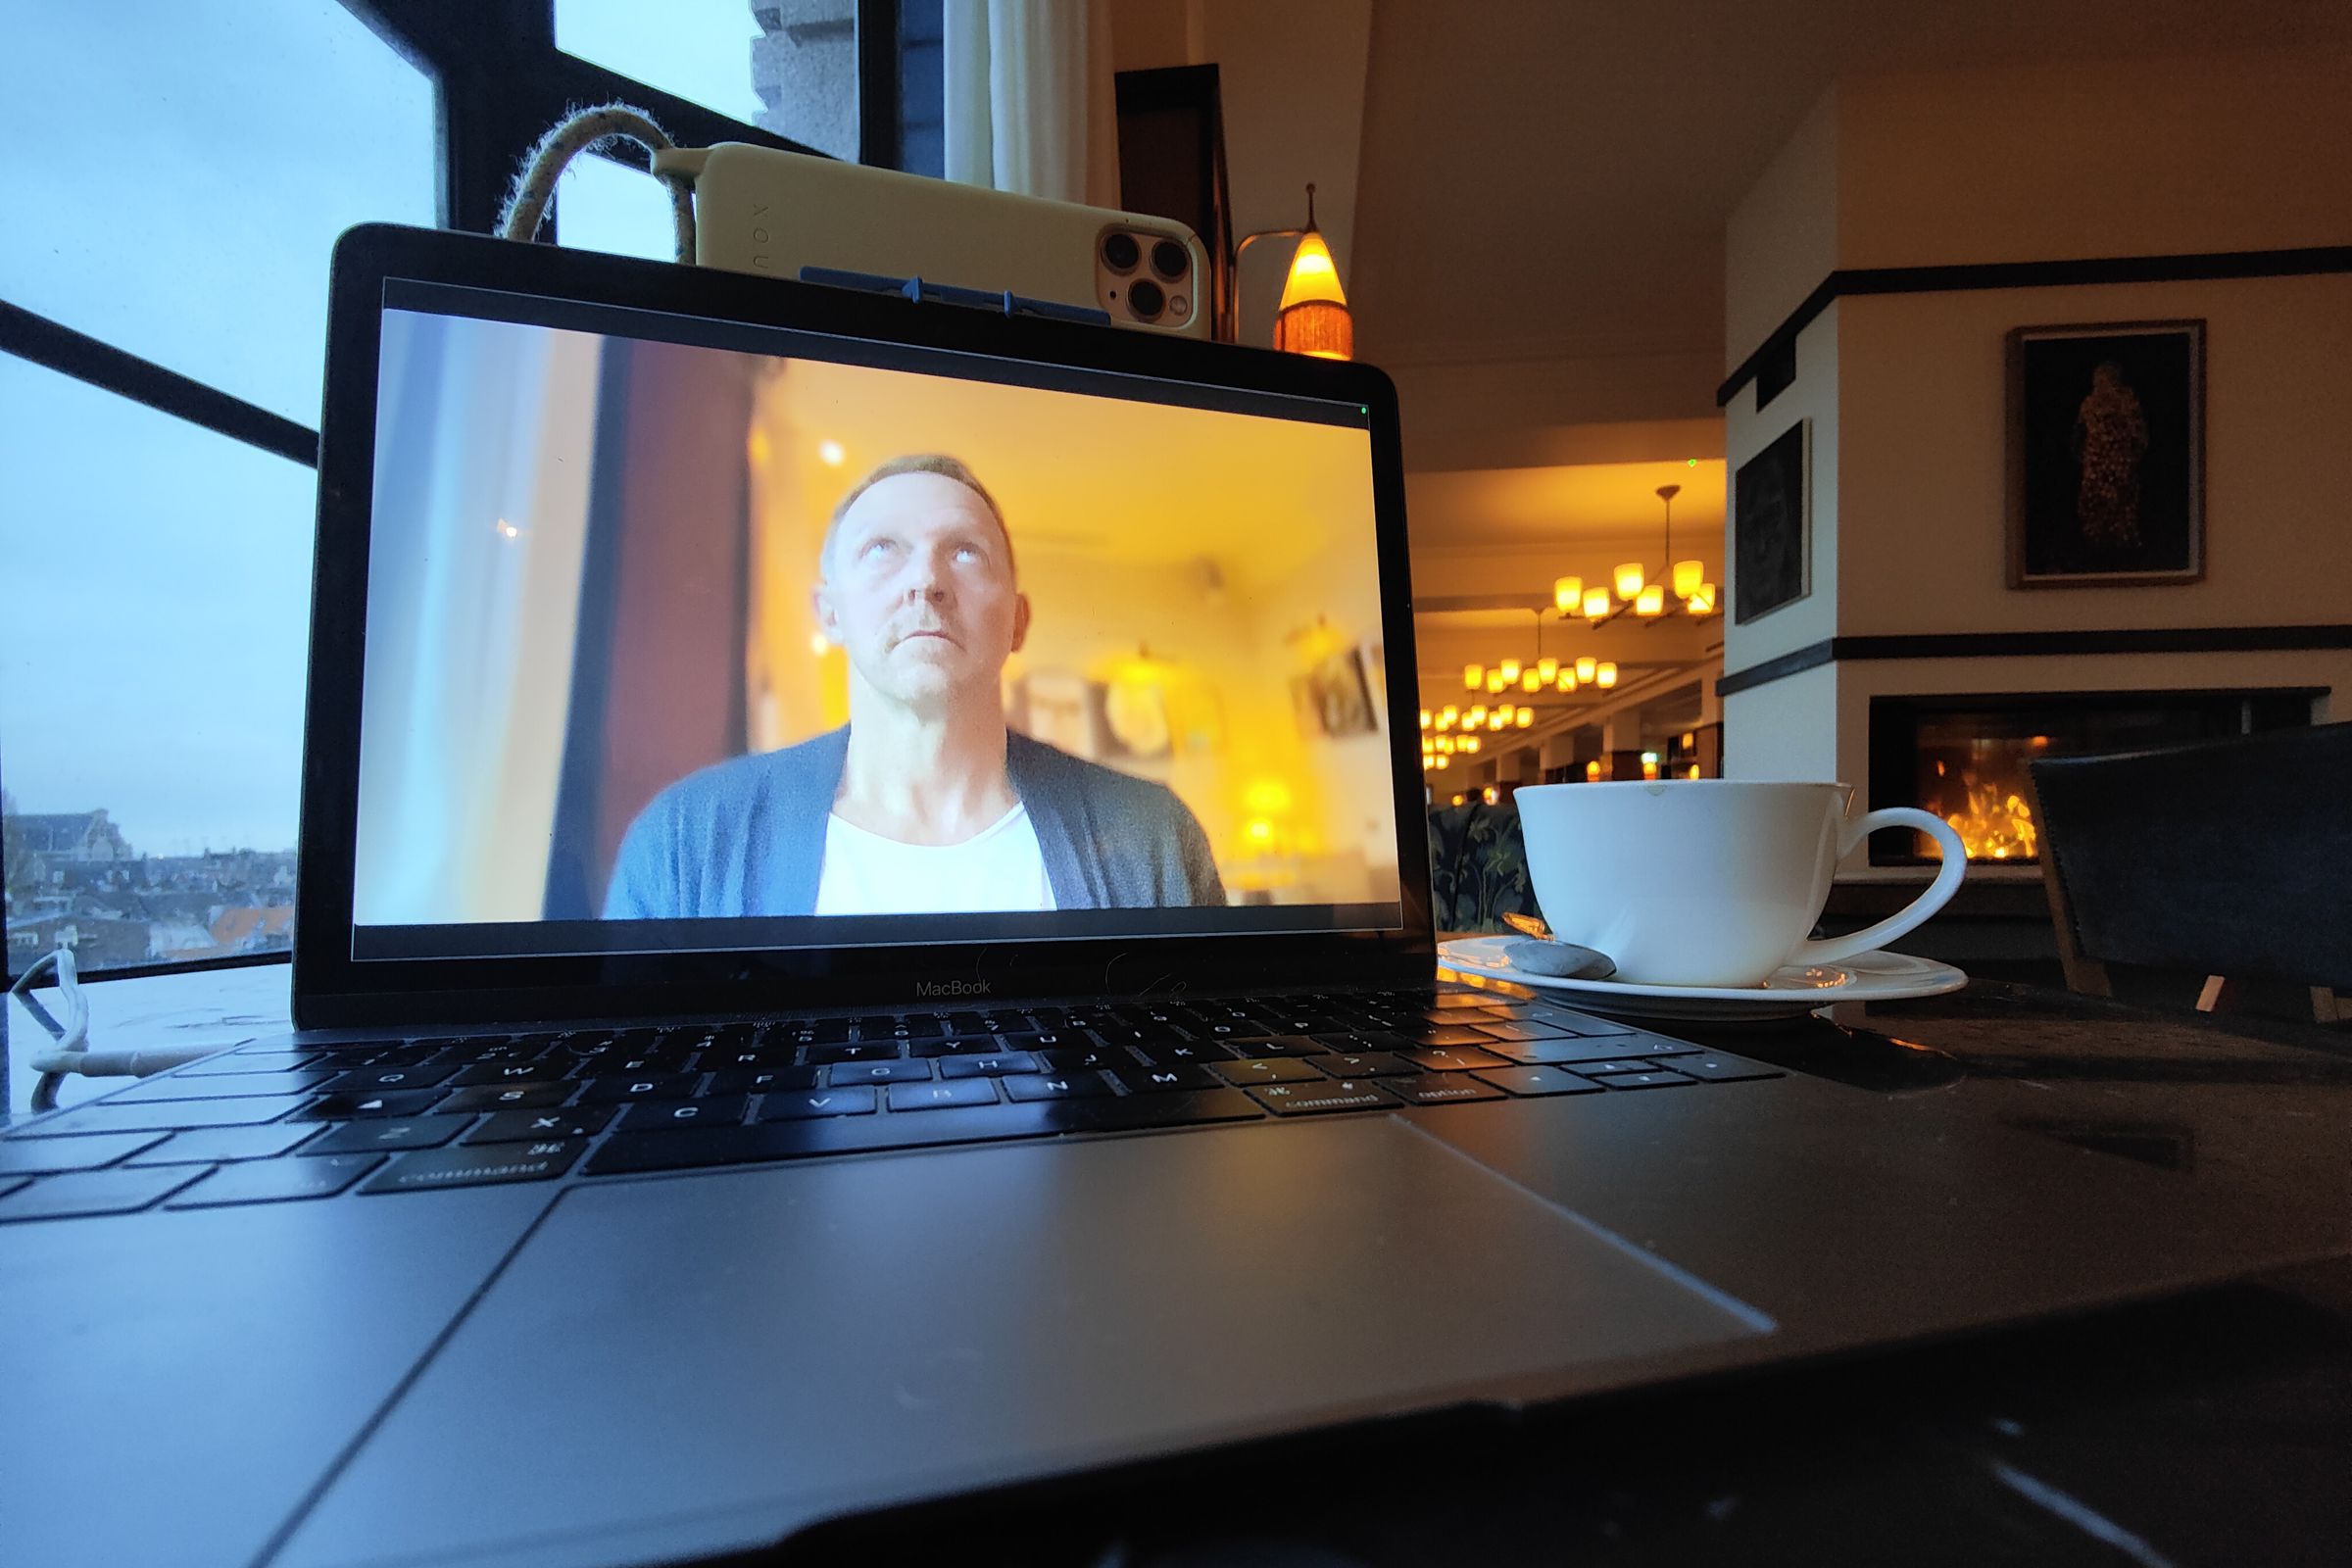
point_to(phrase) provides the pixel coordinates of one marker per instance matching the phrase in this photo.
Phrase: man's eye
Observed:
(875, 547)
(969, 553)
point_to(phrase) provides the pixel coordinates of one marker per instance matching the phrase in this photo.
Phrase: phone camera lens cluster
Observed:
(1148, 297)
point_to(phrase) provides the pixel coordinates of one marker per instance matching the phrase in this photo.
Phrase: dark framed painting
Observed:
(1772, 527)
(1333, 699)
(2106, 453)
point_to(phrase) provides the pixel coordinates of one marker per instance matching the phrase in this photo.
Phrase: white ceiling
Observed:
(1551, 179)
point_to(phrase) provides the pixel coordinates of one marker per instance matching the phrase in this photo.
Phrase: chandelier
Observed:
(1636, 591)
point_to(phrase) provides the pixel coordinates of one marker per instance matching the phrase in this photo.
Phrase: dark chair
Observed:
(1477, 867)
(2232, 859)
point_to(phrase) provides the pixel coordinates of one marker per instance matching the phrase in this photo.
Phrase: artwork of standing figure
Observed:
(2106, 453)
(2110, 437)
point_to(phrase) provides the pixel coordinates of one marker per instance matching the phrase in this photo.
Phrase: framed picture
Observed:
(2106, 453)
(1332, 697)
(1772, 527)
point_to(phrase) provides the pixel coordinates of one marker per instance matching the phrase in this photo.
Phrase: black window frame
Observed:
(499, 82)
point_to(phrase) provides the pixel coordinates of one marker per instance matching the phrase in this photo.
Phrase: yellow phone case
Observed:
(756, 210)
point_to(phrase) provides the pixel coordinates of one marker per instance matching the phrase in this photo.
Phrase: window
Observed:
(163, 307)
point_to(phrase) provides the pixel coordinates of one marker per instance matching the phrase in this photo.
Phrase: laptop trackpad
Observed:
(783, 1343)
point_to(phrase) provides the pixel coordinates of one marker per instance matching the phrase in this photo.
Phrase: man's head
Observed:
(915, 582)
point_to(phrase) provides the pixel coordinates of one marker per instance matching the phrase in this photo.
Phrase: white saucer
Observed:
(1784, 994)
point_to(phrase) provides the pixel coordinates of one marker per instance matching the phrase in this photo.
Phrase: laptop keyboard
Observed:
(275, 1125)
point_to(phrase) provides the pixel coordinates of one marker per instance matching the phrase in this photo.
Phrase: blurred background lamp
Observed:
(1567, 593)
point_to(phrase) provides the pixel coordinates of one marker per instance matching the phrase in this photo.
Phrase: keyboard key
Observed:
(601, 1091)
(378, 1135)
(1166, 1080)
(527, 1072)
(219, 1086)
(1002, 1064)
(1644, 1080)
(1577, 1052)
(839, 1135)
(1717, 1068)
(534, 1126)
(1081, 1058)
(1532, 1029)
(270, 1181)
(243, 1061)
(374, 1078)
(479, 1166)
(864, 1051)
(1452, 1059)
(106, 1116)
(743, 1081)
(97, 1191)
(1176, 1054)
(1441, 1088)
(1261, 1046)
(1459, 1001)
(507, 1097)
(1534, 1081)
(842, 1075)
(1134, 1112)
(930, 1096)
(712, 1110)
(1362, 1064)
(214, 1143)
(1583, 1023)
(371, 1102)
(1298, 1099)
(799, 1103)
(1267, 1070)
(41, 1156)
(1052, 1086)
(1426, 1036)
(750, 1058)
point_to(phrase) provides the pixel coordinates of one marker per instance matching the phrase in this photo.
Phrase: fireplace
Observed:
(1964, 757)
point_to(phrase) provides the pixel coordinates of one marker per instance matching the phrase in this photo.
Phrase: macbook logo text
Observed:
(953, 988)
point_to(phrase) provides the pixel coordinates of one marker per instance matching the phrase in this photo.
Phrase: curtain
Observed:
(1030, 98)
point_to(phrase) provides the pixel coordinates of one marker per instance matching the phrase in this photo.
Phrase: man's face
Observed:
(918, 590)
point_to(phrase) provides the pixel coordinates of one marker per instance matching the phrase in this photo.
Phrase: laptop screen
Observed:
(688, 635)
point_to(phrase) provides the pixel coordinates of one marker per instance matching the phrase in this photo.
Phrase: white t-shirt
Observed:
(1000, 867)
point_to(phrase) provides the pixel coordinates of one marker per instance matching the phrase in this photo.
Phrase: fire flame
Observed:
(1994, 822)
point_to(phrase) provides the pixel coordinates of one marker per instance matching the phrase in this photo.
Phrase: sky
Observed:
(155, 577)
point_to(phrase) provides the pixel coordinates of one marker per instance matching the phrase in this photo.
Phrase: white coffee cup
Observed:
(1709, 882)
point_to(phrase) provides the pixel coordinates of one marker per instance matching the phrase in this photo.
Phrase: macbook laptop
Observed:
(864, 935)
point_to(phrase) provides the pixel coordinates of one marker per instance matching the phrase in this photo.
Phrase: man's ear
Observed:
(1020, 621)
(820, 600)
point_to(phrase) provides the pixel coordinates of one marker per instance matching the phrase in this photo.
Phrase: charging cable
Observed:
(526, 202)
(73, 1054)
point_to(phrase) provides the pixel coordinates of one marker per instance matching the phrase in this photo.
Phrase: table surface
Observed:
(2211, 1428)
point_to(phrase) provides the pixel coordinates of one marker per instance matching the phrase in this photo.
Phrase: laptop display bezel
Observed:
(333, 989)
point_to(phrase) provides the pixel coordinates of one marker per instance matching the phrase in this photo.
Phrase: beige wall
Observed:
(2145, 156)
(1782, 239)
(1921, 503)
(1292, 78)
(1813, 396)
(1908, 393)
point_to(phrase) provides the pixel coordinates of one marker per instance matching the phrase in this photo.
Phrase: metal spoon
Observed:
(1539, 952)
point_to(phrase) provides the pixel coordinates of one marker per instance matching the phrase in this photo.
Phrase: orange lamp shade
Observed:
(1687, 575)
(1585, 667)
(1567, 594)
(1630, 577)
(1650, 601)
(1313, 317)
(1526, 716)
(1474, 677)
(1510, 671)
(1605, 676)
(1596, 603)
(1547, 669)
(1529, 680)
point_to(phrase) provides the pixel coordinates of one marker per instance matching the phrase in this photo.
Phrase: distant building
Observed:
(250, 930)
(70, 837)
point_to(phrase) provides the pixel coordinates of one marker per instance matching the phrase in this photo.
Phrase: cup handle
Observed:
(1911, 915)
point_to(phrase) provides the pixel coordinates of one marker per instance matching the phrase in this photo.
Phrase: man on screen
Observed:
(925, 802)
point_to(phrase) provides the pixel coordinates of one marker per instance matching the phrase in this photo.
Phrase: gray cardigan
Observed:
(746, 837)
